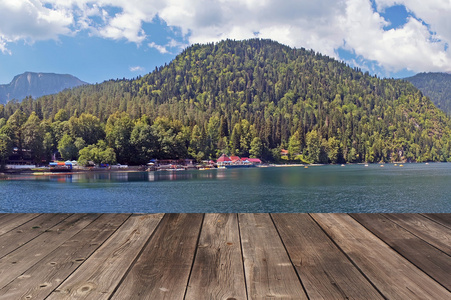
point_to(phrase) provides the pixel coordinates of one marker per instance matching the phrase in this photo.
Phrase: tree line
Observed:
(246, 98)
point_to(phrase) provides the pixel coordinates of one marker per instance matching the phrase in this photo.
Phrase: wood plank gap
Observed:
(97, 277)
(440, 218)
(89, 256)
(242, 256)
(433, 262)
(435, 242)
(135, 260)
(27, 232)
(396, 277)
(195, 255)
(45, 276)
(19, 261)
(289, 256)
(161, 272)
(270, 272)
(218, 270)
(347, 257)
(10, 222)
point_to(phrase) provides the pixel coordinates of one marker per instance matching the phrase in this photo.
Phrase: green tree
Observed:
(15, 123)
(61, 115)
(6, 149)
(313, 146)
(334, 152)
(118, 130)
(67, 148)
(144, 142)
(196, 144)
(99, 154)
(88, 127)
(49, 146)
(235, 139)
(256, 150)
(171, 139)
(33, 134)
(294, 145)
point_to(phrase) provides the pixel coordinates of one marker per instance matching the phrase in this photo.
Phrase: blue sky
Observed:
(109, 39)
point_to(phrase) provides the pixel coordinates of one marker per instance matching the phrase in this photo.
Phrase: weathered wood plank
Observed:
(10, 221)
(26, 232)
(432, 232)
(325, 271)
(393, 275)
(99, 275)
(267, 267)
(430, 260)
(20, 260)
(444, 219)
(162, 270)
(218, 267)
(41, 279)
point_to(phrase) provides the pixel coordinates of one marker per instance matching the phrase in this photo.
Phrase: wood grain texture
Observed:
(100, 274)
(162, 270)
(392, 274)
(20, 260)
(325, 271)
(41, 279)
(10, 221)
(444, 219)
(429, 259)
(29, 230)
(218, 267)
(268, 269)
(431, 232)
(224, 256)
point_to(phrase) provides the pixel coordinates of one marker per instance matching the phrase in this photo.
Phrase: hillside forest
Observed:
(437, 86)
(248, 98)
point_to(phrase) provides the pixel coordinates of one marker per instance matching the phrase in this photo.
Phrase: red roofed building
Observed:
(223, 160)
(254, 160)
(234, 158)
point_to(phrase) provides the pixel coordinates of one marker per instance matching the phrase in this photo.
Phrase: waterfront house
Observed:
(255, 161)
(235, 159)
(223, 160)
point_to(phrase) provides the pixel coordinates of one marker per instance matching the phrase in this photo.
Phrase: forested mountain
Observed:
(249, 98)
(36, 85)
(437, 86)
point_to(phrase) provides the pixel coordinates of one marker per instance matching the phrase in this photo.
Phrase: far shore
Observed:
(78, 170)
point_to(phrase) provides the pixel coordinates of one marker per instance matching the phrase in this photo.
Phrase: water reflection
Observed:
(354, 188)
(121, 176)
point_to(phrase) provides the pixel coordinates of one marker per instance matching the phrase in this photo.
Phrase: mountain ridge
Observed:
(250, 98)
(435, 85)
(37, 84)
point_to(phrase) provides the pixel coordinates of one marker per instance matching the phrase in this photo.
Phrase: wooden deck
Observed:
(225, 256)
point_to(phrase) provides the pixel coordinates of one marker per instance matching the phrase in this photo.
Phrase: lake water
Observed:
(352, 188)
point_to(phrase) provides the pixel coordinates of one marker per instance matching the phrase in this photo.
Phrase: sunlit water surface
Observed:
(352, 188)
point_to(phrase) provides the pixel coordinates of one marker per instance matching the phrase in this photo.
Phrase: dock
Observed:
(225, 256)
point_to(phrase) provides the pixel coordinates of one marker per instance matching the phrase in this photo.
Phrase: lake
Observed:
(412, 188)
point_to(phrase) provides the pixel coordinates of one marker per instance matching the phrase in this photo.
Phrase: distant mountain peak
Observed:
(37, 84)
(436, 86)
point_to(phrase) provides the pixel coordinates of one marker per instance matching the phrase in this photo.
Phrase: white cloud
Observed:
(160, 48)
(172, 44)
(136, 69)
(323, 25)
(29, 20)
(411, 46)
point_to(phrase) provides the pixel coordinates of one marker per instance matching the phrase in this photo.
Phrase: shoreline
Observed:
(145, 169)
